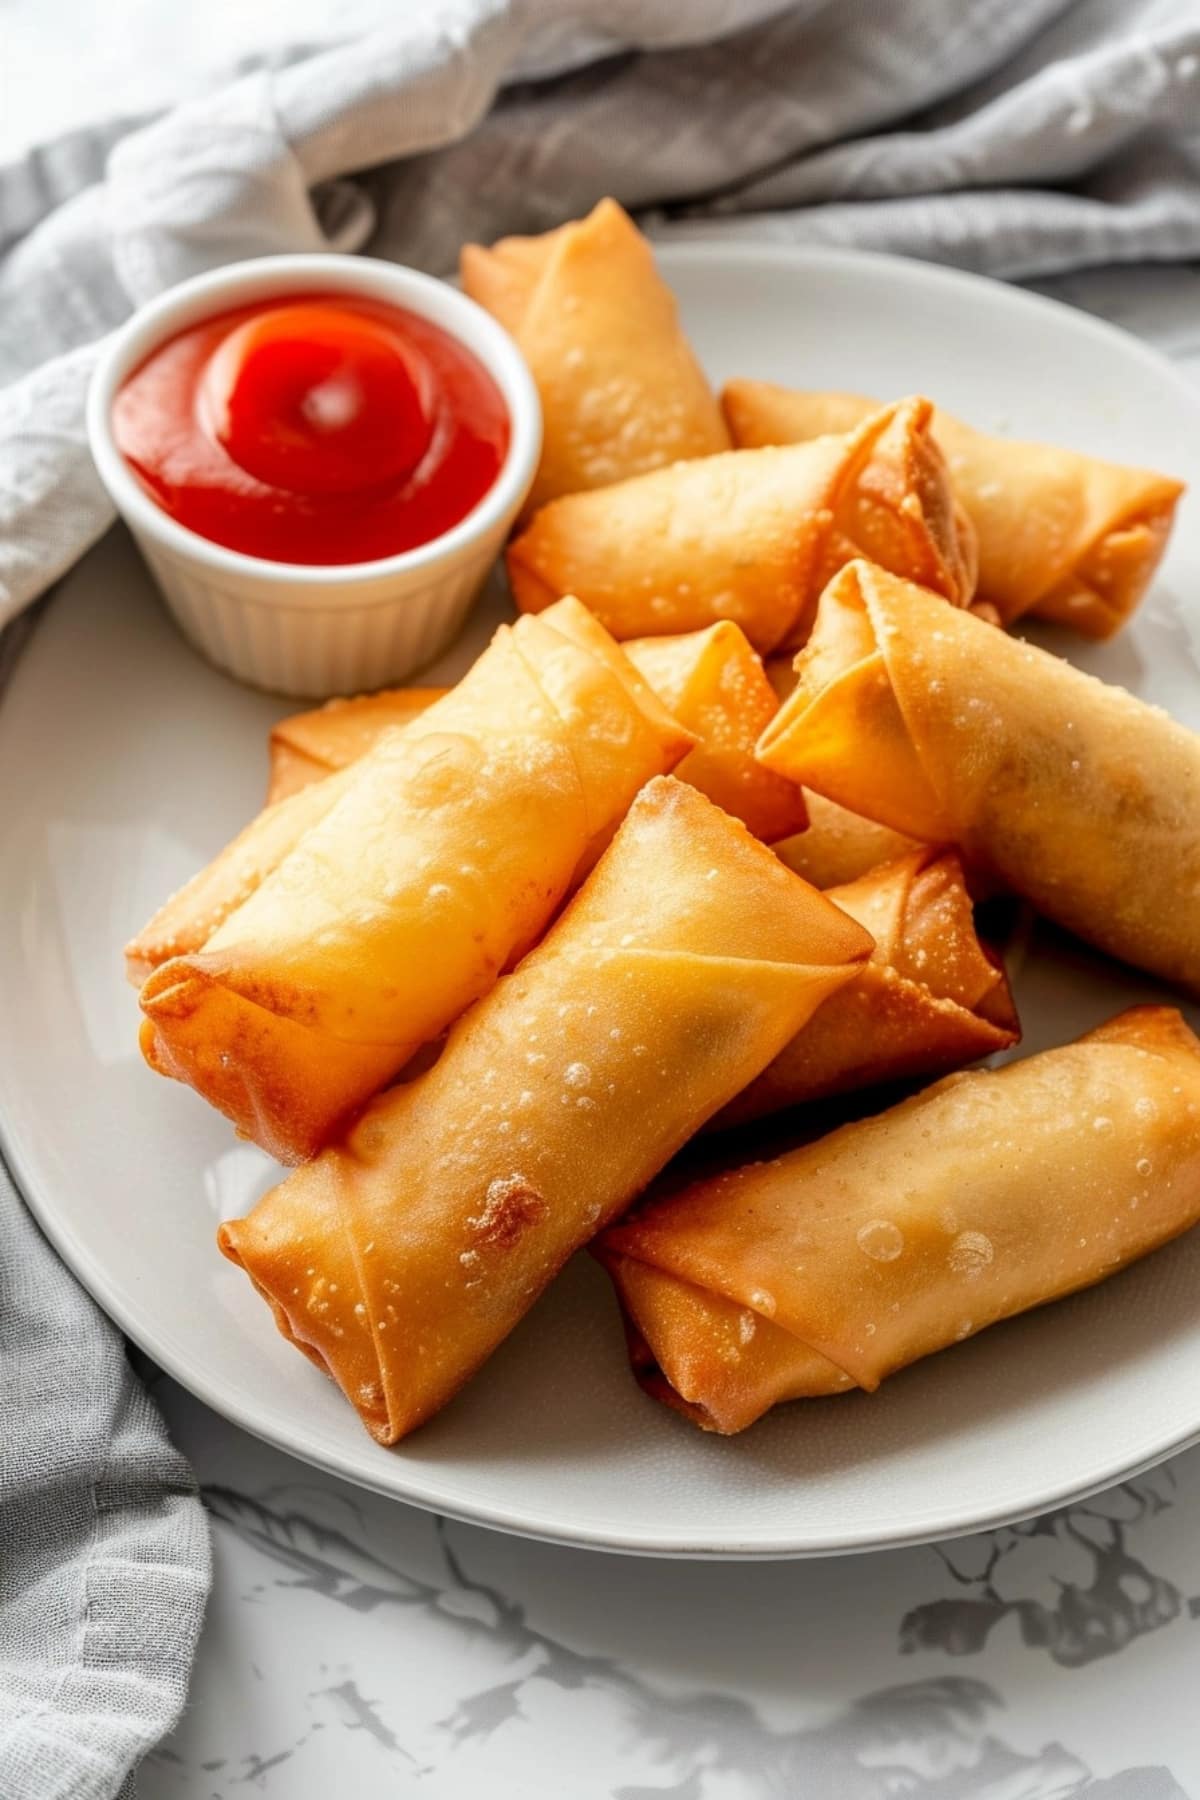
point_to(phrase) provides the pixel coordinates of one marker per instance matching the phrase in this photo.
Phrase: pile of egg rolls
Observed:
(697, 840)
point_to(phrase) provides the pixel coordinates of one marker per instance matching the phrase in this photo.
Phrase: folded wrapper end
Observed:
(920, 908)
(1162, 1029)
(335, 1339)
(272, 1077)
(1063, 535)
(714, 682)
(843, 692)
(707, 1358)
(843, 1261)
(899, 505)
(1066, 790)
(1104, 589)
(752, 535)
(192, 915)
(932, 998)
(583, 629)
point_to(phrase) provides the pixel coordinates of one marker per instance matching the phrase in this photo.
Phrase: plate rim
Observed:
(405, 1482)
(767, 1549)
(701, 247)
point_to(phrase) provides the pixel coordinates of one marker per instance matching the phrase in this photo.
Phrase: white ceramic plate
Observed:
(126, 763)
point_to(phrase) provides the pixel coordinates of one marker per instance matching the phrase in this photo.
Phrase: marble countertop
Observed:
(358, 1647)
(355, 1646)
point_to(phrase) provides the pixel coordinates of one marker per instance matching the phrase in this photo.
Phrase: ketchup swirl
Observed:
(317, 428)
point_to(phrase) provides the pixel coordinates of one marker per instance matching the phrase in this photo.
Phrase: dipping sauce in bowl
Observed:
(313, 428)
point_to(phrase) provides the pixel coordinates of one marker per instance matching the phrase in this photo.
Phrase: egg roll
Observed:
(930, 999)
(305, 748)
(1061, 534)
(1055, 785)
(990, 1193)
(450, 848)
(621, 389)
(308, 745)
(400, 1258)
(713, 683)
(839, 845)
(186, 921)
(753, 535)
(710, 681)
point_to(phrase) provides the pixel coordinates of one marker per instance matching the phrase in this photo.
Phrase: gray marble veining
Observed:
(382, 1651)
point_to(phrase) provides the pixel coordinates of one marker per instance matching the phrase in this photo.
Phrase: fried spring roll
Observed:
(304, 749)
(839, 845)
(713, 683)
(399, 1260)
(308, 745)
(1061, 534)
(1068, 791)
(710, 681)
(451, 846)
(754, 535)
(929, 1000)
(192, 915)
(990, 1193)
(617, 398)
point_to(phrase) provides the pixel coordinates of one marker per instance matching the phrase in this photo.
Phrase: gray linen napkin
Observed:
(104, 1556)
(1017, 136)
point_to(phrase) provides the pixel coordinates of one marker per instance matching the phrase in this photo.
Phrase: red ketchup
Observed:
(316, 428)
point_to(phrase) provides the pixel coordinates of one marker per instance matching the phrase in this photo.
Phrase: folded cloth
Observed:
(1016, 136)
(104, 1556)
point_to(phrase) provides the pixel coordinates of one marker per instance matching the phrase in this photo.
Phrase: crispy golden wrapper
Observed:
(449, 848)
(308, 745)
(621, 390)
(185, 922)
(840, 845)
(753, 535)
(989, 1193)
(929, 1000)
(711, 681)
(1063, 789)
(1061, 534)
(400, 1259)
(304, 748)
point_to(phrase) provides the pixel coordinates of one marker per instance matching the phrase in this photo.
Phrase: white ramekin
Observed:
(296, 628)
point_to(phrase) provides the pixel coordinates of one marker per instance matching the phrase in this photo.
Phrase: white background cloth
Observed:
(1017, 136)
